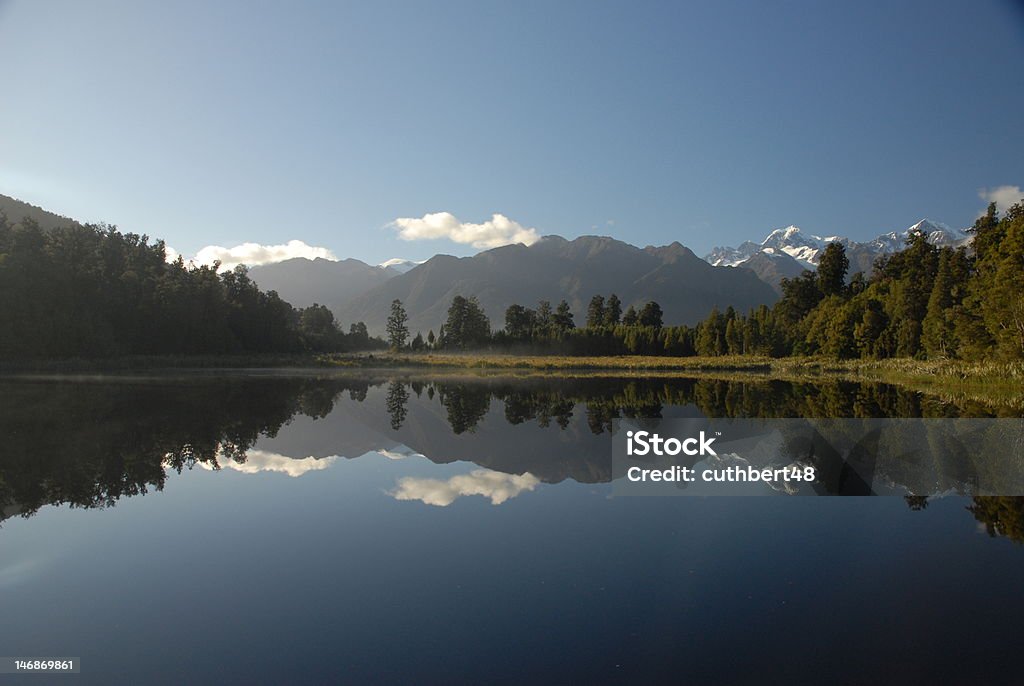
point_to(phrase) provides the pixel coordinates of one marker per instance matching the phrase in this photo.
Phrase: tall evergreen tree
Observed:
(938, 327)
(612, 311)
(397, 328)
(544, 325)
(596, 312)
(832, 268)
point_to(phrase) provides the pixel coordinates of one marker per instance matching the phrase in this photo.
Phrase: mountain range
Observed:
(303, 282)
(686, 286)
(551, 269)
(787, 252)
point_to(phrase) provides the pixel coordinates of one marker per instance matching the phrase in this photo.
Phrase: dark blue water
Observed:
(344, 549)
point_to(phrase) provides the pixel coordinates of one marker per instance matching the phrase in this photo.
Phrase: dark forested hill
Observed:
(685, 286)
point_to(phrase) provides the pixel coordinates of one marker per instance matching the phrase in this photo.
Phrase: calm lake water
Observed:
(268, 528)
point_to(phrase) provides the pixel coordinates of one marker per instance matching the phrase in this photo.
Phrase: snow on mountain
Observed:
(730, 257)
(399, 264)
(806, 249)
(940, 234)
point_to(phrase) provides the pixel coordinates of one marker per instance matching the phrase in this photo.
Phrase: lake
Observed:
(274, 527)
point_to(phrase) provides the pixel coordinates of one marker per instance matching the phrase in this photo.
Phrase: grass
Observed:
(957, 380)
(985, 381)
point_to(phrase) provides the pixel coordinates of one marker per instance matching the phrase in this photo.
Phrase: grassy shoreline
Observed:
(1002, 381)
(999, 381)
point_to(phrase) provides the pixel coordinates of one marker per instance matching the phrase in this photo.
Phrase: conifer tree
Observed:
(398, 331)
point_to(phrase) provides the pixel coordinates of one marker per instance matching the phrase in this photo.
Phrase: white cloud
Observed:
(1003, 196)
(171, 254)
(254, 253)
(398, 453)
(500, 230)
(261, 461)
(496, 486)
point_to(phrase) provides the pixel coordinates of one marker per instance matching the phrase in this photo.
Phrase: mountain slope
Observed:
(772, 267)
(302, 281)
(16, 210)
(554, 268)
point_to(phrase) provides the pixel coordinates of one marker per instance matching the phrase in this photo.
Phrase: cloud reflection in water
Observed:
(496, 486)
(261, 461)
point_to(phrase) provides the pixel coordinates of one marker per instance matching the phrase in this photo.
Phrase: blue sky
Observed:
(707, 123)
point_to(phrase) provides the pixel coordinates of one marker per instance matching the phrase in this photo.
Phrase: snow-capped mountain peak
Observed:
(802, 247)
(938, 233)
(399, 264)
(806, 249)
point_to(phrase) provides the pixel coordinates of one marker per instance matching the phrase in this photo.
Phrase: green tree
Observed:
(467, 325)
(999, 286)
(318, 328)
(544, 323)
(519, 322)
(938, 330)
(562, 319)
(596, 312)
(650, 315)
(397, 328)
(359, 335)
(612, 311)
(832, 268)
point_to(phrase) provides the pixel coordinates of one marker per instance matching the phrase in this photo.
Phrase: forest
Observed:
(91, 291)
(924, 302)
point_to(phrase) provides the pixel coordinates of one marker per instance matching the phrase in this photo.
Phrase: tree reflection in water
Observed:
(90, 443)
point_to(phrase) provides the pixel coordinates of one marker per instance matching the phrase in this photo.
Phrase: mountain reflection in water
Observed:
(89, 443)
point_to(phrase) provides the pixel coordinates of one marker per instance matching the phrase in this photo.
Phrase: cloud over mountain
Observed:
(499, 231)
(254, 254)
(1003, 196)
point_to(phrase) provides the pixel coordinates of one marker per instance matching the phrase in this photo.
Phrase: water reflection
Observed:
(495, 486)
(90, 443)
(256, 461)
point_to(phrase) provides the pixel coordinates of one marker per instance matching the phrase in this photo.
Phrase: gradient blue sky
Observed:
(708, 123)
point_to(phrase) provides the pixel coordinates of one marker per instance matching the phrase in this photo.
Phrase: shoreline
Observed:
(995, 381)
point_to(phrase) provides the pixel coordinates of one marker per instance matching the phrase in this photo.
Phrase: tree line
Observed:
(92, 291)
(923, 302)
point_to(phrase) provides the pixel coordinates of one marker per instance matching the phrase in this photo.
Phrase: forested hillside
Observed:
(91, 291)
(924, 301)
